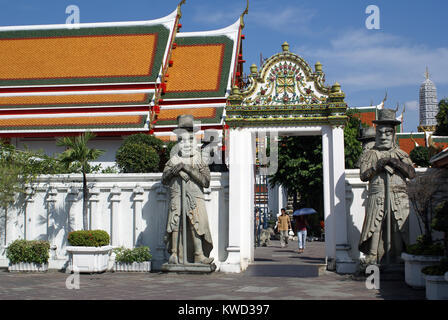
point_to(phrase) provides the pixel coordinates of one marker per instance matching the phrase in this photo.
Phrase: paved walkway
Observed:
(277, 274)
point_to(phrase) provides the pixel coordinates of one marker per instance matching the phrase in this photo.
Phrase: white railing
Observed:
(132, 208)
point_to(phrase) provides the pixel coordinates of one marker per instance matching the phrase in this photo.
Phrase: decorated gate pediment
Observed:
(286, 91)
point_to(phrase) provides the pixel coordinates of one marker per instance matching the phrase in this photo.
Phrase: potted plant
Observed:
(89, 250)
(425, 252)
(25, 255)
(436, 282)
(132, 260)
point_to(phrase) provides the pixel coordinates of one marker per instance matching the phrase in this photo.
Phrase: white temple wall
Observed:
(132, 208)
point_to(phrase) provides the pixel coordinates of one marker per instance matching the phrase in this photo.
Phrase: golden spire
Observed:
(179, 13)
(246, 11)
(427, 73)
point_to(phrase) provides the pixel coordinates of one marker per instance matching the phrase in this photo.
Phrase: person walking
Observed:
(300, 225)
(284, 225)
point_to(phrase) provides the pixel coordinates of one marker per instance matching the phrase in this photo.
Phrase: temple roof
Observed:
(114, 77)
(203, 63)
(200, 77)
(93, 53)
(100, 122)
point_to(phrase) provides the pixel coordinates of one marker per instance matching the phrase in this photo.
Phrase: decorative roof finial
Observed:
(253, 69)
(398, 106)
(385, 97)
(285, 46)
(427, 73)
(318, 67)
(179, 13)
(415, 142)
(246, 11)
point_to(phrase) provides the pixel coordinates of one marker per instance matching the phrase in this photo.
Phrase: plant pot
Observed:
(436, 288)
(413, 265)
(89, 259)
(132, 267)
(28, 267)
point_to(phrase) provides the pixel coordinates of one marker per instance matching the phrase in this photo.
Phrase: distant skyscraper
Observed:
(428, 105)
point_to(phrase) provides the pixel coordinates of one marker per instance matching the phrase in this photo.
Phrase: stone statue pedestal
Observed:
(189, 268)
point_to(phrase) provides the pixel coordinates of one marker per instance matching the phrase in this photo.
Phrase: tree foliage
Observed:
(141, 153)
(77, 157)
(352, 146)
(18, 168)
(442, 118)
(420, 156)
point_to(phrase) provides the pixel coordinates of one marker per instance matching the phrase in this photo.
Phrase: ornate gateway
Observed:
(286, 91)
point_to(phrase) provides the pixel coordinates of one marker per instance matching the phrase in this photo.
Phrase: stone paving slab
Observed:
(273, 280)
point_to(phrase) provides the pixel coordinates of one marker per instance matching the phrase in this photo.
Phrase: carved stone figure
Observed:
(386, 167)
(186, 174)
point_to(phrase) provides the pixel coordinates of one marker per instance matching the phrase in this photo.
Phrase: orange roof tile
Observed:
(110, 121)
(79, 99)
(196, 68)
(205, 115)
(77, 57)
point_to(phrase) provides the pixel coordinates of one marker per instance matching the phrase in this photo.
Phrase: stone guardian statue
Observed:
(186, 175)
(386, 167)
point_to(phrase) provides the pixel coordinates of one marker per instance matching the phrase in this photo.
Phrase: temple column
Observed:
(330, 245)
(28, 220)
(138, 212)
(241, 203)
(344, 264)
(115, 216)
(95, 214)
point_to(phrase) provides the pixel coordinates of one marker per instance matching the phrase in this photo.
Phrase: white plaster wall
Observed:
(140, 219)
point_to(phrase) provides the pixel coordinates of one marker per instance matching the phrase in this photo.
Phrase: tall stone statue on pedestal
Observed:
(186, 174)
(386, 228)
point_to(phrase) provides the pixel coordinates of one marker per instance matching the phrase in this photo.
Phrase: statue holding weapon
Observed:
(385, 230)
(186, 174)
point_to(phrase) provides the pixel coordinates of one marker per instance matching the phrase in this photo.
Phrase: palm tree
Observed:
(80, 154)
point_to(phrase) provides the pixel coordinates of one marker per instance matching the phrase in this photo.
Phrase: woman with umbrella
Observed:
(301, 224)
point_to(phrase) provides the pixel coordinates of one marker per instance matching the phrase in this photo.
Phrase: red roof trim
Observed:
(80, 88)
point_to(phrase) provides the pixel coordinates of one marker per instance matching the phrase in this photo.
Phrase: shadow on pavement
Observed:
(282, 270)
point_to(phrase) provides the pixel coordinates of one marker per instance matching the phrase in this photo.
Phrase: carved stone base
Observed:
(189, 268)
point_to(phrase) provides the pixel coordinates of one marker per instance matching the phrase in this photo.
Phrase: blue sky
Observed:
(365, 62)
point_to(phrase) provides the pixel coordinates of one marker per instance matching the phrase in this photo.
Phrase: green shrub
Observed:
(142, 153)
(425, 248)
(437, 270)
(36, 251)
(137, 158)
(138, 254)
(88, 238)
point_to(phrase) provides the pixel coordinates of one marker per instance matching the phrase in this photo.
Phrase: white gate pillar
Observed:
(344, 264)
(330, 244)
(241, 203)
